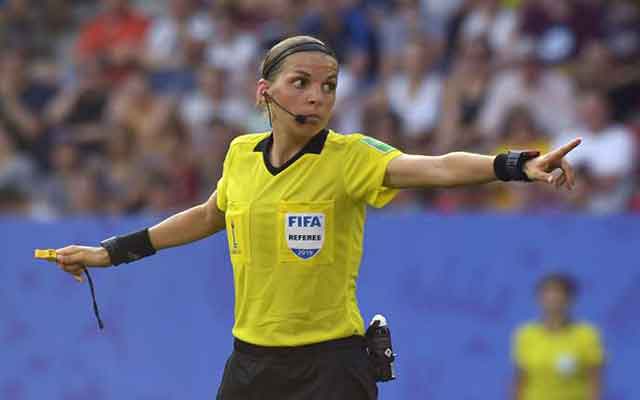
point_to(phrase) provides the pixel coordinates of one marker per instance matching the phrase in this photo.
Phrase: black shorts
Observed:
(333, 370)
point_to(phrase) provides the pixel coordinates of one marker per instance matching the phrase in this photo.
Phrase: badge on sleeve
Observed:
(378, 145)
(305, 233)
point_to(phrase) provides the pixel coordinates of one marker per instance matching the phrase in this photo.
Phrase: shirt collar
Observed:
(313, 146)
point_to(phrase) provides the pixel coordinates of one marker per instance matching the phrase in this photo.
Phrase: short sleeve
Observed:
(519, 347)
(365, 166)
(593, 350)
(221, 190)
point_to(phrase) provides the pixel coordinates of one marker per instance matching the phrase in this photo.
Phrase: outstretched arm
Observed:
(188, 226)
(185, 227)
(459, 168)
(410, 171)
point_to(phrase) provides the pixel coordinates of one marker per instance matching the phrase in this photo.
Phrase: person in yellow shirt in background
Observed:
(557, 358)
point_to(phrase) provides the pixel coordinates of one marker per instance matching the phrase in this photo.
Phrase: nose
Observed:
(315, 96)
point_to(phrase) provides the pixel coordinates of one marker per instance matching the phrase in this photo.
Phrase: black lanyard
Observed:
(93, 297)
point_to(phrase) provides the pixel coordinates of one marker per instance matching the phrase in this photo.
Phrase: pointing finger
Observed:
(564, 150)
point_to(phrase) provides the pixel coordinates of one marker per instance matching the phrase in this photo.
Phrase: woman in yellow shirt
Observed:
(557, 358)
(293, 203)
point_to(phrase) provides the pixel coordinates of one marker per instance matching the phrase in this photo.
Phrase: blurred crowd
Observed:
(118, 107)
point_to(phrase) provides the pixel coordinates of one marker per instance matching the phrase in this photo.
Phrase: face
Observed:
(594, 112)
(554, 300)
(414, 59)
(305, 85)
(474, 55)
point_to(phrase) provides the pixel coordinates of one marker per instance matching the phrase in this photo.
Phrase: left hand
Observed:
(540, 168)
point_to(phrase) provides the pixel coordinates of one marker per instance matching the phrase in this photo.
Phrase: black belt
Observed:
(354, 342)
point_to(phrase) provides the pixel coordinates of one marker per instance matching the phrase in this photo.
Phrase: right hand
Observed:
(73, 259)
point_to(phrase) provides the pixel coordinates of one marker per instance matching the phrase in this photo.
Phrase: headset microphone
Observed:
(299, 118)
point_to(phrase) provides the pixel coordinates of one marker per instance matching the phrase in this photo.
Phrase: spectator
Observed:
(414, 93)
(14, 201)
(65, 163)
(158, 198)
(135, 107)
(343, 25)
(85, 197)
(488, 19)
(83, 100)
(621, 29)
(354, 86)
(134, 80)
(174, 160)
(545, 92)
(465, 92)
(178, 39)
(440, 13)
(598, 69)
(124, 178)
(561, 28)
(283, 21)
(17, 172)
(396, 25)
(32, 28)
(81, 105)
(212, 100)
(22, 102)
(231, 49)
(610, 177)
(115, 37)
(557, 357)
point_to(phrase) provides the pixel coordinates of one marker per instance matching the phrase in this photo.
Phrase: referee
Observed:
(293, 204)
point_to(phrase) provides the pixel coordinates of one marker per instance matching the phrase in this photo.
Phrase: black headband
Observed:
(296, 48)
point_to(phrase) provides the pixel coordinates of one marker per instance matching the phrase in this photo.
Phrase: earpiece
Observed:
(301, 119)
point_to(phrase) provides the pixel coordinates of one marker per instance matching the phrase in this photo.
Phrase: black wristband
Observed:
(128, 248)
(509, 166)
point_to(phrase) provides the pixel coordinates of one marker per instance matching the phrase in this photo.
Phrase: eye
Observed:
(299, 83)
(329, 87)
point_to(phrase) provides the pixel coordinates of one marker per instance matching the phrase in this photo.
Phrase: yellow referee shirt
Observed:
(295, 234)
(556, 363)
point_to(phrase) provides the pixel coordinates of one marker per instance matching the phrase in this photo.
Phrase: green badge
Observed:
(378, 145)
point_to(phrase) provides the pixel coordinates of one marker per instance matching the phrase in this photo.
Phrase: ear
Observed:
(261, 89)
(263, 86)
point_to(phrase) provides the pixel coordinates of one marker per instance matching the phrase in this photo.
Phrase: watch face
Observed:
(566, 364)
